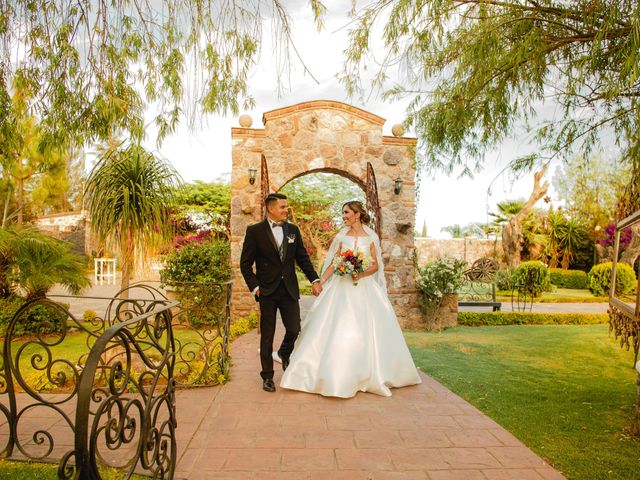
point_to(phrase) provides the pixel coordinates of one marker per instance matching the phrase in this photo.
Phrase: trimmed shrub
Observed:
(534, 276)
(208, 262)
(476, 319)
(39, 319)
(600, 279)
(89, 316)
(569, 278)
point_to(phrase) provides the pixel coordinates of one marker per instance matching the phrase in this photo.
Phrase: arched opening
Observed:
(315, 202)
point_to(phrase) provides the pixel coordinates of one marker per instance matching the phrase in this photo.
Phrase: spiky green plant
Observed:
(35, 262)
(129, 195)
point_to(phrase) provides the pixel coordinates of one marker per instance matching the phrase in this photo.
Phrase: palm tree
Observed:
(129, 194)
(455, 231)
(43, 261)
(506, 210)
(35, 262)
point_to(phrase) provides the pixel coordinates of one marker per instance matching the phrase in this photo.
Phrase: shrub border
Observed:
(476, 319)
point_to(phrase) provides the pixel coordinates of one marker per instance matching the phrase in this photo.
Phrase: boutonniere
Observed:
(291, 238)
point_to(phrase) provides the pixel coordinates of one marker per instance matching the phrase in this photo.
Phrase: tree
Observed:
(206, 204)
(129, 195)
(476, 69)
(455, 231)
(567, 238)
(37, 262)
(91, 65)
(512, 237)
(316, 205)
(423, 233)
(591, 187)
(37, 173)
(506, 210)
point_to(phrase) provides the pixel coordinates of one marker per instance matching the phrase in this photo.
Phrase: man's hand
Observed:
(256, 294)
(316, 288)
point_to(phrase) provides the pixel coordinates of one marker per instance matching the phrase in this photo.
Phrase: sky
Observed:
(444, 200)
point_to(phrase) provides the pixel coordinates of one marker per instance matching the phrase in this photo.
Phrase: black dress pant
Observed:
(289, 308)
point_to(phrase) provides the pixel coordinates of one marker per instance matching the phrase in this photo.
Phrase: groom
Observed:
(275, 246)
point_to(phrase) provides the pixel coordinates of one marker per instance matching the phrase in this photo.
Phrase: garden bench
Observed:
(479, 285)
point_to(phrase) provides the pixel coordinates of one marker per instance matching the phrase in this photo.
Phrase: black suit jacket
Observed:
(260, 247)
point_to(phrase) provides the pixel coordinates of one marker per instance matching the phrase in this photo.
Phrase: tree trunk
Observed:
(20, 200)
(5, 213)
(127, 250)
(512, 238)
(512, 242)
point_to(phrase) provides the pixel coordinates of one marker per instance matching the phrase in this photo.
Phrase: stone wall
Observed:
(70, 226)
(469, 249)
(328, 136)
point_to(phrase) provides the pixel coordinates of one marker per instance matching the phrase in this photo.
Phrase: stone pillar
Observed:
(246, 208)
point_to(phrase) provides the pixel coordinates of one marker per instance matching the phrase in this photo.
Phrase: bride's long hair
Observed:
(356, 206)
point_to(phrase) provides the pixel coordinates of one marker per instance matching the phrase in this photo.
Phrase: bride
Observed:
(350, 340)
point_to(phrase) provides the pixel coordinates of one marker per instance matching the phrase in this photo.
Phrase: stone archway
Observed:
(338, 138)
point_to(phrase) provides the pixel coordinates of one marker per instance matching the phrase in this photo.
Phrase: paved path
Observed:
(550, 308)
(238, 431)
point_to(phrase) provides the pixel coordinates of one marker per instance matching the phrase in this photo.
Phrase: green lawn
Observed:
(560, 295)
(43, 471)
(567, 392)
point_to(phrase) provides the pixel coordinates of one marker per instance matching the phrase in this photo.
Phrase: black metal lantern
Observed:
(397, 186)
(252, 175)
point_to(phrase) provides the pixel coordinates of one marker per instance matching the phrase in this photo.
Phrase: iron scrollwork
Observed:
(117, 400)
(479, 284)
(202, 322)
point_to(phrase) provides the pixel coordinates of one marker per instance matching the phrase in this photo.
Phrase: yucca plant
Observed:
(129, 195)
(567, 236)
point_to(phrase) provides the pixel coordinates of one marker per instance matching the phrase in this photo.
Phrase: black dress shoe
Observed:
(268, 385)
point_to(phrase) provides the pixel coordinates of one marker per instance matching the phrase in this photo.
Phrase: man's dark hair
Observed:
(273, 197)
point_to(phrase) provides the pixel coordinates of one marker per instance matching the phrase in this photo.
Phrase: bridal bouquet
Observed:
(350, 263)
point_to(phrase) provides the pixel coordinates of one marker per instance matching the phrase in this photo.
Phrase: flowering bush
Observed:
(608, 237)
(438, 278)
(182, 241)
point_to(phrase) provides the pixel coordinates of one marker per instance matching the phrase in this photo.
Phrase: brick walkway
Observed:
(237, 431)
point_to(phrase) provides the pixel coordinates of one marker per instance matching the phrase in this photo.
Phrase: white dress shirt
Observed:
(278, 232)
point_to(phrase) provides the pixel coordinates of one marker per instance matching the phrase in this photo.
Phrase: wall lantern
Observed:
(252, 175)
(397, 186)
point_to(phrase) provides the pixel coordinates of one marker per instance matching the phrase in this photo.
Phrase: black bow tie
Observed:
(277, 224)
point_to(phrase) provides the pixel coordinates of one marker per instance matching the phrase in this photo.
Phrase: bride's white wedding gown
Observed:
(350, 340)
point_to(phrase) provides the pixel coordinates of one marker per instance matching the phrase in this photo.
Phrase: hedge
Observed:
(475, 319)
(600, 279)
(569, 278)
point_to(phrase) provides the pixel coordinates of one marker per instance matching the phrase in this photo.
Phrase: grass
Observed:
(567, 392)
(560, 295)
(42, 471)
